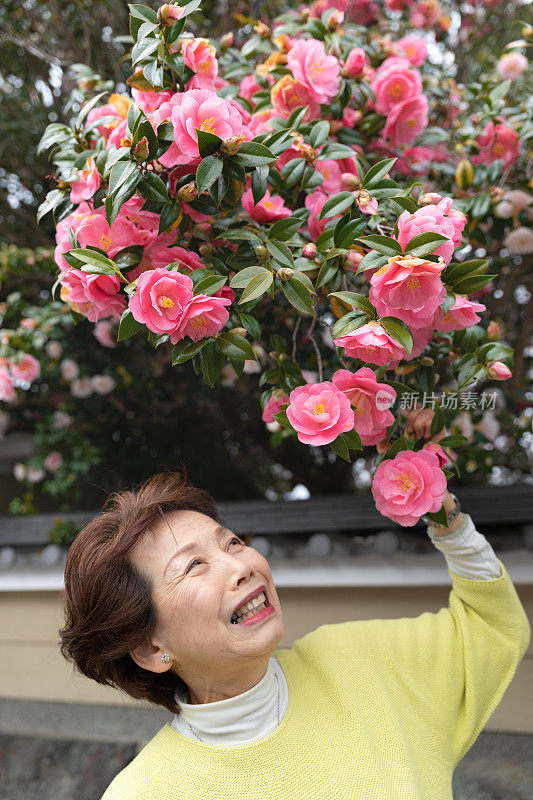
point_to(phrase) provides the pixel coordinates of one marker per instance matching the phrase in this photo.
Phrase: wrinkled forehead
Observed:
(172, 531)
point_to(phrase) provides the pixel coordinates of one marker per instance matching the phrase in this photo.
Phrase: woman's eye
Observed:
(191, 565)
(236, 539)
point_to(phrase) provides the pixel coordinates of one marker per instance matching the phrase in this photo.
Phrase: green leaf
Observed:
(211, 361)
(377, 172)
(143, 50)
(336, 151)
(235, 346)
(257, 286)
(340, 447)
(254, 154)
(95, 259)
(473, 284)
(281, 419)
(281, 253)
(438, 422)
(208, 143)
(242, 235)
(54, 133)
(352, 440)
(186, 349)
(337, 204)
(259, 183)
(326, 273)
(439, 517)
(285, 228)
(397, 446)
(382, 244)
(454, 440)
(208, 172)
(407, 203)
(152, 188)
(298, 295)
(242, 278)
(251, 325)
(169, 214)
(399, 331)
(500, 91)
(372, 260)
(210, 284)
(347, 234)
(424, 244)
(120, 174)
(348, 323)
(293, 171)
(319, 133)
(128, 326)
(356, 301)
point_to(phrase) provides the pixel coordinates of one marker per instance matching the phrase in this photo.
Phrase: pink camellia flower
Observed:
(370, 401)
(157, 254)
(82, 387)
(371, 343)
(406, 121)
(61, 420)
(87, 184)
(498, 371)
(434, 447)
(102, 333)
(195, 109)
(408, 287)
(204, 316)
(462, 314)
(367, 204)
(148, 102)
(331, 172)
(103, 384)
(249, 86)
(511, 66)
(394, 83)
(418, 160)
(53, 461)
(26, 369)
(273, 405)
(498, 141)
(288, 94)
(428, 219)
(414, 48)
(7, 390)
(319, 412)
(314, 202)
(69, 369)
(54, 349)
(520, 240)
(109, 112)
(355, 61)
(260, 121)
(100, 293)
(318, 72)
(409, 485)
(269, 209)
(425, 13)
(161, 301)
(200, 56)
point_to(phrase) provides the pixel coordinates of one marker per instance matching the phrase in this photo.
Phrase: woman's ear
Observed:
(148, 656)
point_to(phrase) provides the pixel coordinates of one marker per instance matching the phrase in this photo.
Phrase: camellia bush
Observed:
(320, 190)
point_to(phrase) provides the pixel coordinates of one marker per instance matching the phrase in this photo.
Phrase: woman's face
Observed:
(196, 591)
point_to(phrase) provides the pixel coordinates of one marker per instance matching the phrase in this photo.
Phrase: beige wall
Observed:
(31, 666)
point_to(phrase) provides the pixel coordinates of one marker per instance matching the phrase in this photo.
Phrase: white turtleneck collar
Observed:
(240, 719)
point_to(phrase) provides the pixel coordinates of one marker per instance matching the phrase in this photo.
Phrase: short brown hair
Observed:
(108, 602)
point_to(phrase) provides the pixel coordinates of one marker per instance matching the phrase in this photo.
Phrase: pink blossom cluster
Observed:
(21, 370)
(398, 89)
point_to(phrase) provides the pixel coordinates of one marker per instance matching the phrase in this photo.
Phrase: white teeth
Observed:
(249, 609)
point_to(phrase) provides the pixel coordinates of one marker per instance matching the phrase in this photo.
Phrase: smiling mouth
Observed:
(249, 610)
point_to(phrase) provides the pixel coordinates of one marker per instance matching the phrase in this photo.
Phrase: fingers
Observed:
(419, 422)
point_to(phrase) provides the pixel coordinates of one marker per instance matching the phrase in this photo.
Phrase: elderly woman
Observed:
(167, 604)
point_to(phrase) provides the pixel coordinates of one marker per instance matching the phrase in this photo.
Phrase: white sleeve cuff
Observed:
(467, 552)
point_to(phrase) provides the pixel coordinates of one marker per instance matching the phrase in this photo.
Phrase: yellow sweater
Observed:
(381, 709)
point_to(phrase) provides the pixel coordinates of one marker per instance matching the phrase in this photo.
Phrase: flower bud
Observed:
(350, 181)
(202, 228)
(527, 31)
(141, 150)
(427, 361)
(284, 273)
(430, 198)
(262, 30)
(226, 40)
(351, 260)
(464, 174)
(231, 146)
(261, 251)
(239, 331)
(168, 14)
(336, 19)
(498, 371)
(493, 331)
(87, 83)
(188, 192)
(310, 250)
(305, 13)
(205, 249)
(307, 152)
(496, 194)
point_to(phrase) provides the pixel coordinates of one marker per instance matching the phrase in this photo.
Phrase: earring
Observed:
(166, 658)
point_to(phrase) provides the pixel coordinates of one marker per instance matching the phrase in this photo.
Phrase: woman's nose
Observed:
(241, 570)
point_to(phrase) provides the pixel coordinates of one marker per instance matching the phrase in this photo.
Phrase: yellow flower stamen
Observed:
(208, 125)
(165, 302)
